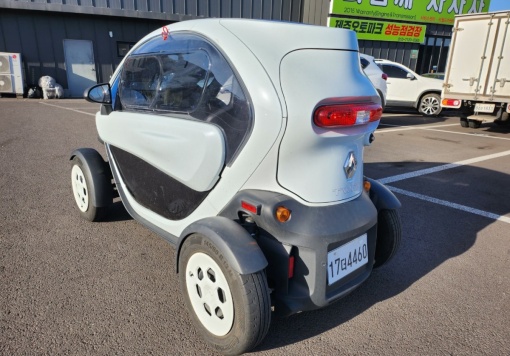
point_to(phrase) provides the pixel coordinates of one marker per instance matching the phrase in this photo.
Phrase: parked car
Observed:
(244, 150)
(375, 74)
(409, 89)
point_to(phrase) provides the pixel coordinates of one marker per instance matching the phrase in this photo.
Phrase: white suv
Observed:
(408, 89)
(375, 74)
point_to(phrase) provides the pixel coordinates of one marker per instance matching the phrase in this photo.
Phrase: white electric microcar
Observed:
(241, 143)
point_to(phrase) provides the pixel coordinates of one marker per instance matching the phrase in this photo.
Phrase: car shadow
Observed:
(117, 212)
(502, 128)
(432, 235)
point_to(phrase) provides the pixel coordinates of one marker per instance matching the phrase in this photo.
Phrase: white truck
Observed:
(477, 77)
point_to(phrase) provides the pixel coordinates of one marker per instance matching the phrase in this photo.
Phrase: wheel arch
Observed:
(234, 242)
(383, 99)
(94, 162)
(430, 91)
(382, 197)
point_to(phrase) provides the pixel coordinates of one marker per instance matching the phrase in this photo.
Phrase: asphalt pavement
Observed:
(71, 287)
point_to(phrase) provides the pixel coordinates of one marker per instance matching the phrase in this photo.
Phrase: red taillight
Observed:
(346, 114)
(384, 76)
(451, 102)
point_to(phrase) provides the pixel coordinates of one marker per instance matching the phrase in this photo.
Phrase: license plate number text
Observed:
(347, 258)
(487, 108)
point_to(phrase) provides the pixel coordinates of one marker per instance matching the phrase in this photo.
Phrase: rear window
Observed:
(394, 71)
(364, 62)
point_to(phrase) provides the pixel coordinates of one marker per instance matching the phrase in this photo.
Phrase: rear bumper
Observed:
(308, 236)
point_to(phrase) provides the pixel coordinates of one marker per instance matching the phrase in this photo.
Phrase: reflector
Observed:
(252, 208)
(291, 267)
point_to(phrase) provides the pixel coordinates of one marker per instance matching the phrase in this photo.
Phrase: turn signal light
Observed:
(367, 185)
(340, 115)
(282, 214)
(451, 102)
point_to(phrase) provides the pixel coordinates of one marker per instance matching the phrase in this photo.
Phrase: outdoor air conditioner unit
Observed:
(11, 73)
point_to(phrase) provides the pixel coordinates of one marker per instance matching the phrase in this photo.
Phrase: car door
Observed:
(402, 86)
(165, 136)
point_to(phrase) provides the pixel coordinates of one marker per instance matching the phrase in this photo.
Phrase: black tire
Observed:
(474, 124)
(430, 105)
(463, 122)
(84, 190)
(504, 120)
(241, 303)
(389, 235)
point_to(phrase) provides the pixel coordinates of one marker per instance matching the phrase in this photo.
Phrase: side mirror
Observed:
(410, 76)
(100, 93)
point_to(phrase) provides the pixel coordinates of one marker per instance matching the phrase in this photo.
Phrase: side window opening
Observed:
(394, 72)
(182, 81)
(186, 75)
(139, 82)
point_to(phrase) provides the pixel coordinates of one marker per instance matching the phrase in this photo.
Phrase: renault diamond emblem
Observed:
(350, 165)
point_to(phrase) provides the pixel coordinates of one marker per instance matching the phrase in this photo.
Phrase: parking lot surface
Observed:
(68, 286)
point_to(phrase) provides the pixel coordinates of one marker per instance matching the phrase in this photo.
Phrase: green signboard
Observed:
(429, 11)
(381, 30)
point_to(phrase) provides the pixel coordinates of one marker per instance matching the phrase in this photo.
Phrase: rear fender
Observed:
(234, 242)
(382, 197)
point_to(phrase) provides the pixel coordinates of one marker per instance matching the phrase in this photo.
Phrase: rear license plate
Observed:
(347, 258)
(487, 108)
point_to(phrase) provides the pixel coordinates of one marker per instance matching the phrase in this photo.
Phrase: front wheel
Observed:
(430, 105)
(84, 191)
(231, 311)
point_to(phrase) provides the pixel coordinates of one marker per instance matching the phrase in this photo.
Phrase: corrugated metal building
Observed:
(50, 33)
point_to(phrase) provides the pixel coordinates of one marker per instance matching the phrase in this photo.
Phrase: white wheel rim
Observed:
(209, 293)
(80, 189)
(430, 105)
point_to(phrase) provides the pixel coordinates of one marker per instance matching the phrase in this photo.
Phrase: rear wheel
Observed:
(389, 235)
(474, 124)
(463, 122)
(231, 311)
(430, 105)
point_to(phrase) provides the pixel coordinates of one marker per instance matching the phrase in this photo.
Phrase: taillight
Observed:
(384, 76)
(451, 102)
(339, 115)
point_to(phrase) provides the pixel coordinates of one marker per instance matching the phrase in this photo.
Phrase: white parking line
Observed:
(431, 170)
(399, 128)
(422, 172)
(415, 127)
(61, 107)
(470, 134)
(451, 205)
